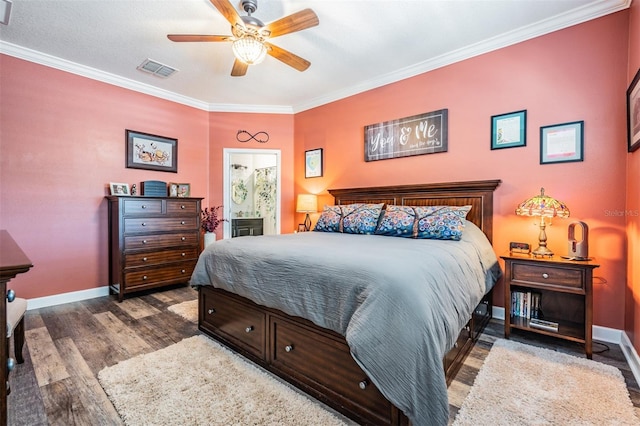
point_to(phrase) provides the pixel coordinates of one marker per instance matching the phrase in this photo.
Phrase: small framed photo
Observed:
(313, 163)
(301, 227)
(120, 189)
(562, 143)
(633, 113)
(184, 190)
(172, 189)
(509, 130)
(151, 152)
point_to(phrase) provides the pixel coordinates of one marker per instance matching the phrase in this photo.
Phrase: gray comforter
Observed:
(400, 303)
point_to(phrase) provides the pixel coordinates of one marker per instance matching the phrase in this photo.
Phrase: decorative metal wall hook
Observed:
(261, 137)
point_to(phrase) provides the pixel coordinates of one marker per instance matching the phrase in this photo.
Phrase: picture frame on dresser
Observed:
(633, 113)
(184, 190)
(151, 152)
(119, 189)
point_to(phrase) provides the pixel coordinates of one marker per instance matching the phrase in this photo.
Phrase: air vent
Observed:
(156, 68)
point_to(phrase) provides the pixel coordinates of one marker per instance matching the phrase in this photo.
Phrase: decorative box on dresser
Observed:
(153, 242)
(565, 289)
(13, 261)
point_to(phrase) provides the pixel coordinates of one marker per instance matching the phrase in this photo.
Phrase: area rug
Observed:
(199, 382)
(522, 384)
(187, 310)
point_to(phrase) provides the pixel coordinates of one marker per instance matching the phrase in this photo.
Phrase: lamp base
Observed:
(307, 223)
(542, 251)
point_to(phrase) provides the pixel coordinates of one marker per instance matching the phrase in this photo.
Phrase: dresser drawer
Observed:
(320, 360)
(158, 257)
(182, 206)
(138, 206)
(544, 275)
(237, 322)
(182, 239)
(136, 225)
(173, 273)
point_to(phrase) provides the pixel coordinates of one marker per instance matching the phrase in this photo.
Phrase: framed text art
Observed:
(562, 143)
(313, 163)
(415, 135)
(151, 152)
(633, 113)
(509, 130)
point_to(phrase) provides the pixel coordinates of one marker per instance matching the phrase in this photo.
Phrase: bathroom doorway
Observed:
(251, 182)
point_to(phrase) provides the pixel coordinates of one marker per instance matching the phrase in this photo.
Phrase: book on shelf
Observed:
(525, 304)
(543, 324)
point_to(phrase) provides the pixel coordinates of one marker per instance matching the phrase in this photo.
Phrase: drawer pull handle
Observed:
(211, 311)
(182, 222)
(545, 275)
(144, 259)
(455, 345)
(11, 295)
(183, 238)
(182, 207)
(184, 254)
(363, 384)
(183, 271)
(144, 241)
(144, 224)
(467, 328)
(144, 277)
(248, 329)
(288, 348)
(11, 364)
(143, 206)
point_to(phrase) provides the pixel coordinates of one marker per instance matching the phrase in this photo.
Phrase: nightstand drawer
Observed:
(548, 275)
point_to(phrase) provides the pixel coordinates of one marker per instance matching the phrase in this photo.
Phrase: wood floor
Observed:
(67, 345)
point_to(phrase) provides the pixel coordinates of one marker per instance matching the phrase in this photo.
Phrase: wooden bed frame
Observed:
(317, 360)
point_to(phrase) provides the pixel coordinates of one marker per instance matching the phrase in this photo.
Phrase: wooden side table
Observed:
(562, 291)
(13, 261)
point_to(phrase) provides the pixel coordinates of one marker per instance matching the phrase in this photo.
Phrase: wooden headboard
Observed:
(477, 194)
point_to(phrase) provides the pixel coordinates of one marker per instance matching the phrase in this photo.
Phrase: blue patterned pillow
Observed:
(330, 220)
(397, 221)
(360, 218)
(441, 222)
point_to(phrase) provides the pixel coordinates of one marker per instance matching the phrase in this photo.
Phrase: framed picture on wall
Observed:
(633, 113)
(562, 143)
(509, 130)
(313, 163)
(151, 152)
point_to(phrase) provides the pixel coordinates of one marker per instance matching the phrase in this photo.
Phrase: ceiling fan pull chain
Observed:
(249, 136)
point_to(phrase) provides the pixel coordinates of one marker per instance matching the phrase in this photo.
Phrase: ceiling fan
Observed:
(250, 36)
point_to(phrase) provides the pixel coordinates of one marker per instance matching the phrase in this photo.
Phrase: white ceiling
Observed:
(359, 45)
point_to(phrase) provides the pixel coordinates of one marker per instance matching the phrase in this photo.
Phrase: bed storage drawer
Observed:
(321, 361)
(235, 321)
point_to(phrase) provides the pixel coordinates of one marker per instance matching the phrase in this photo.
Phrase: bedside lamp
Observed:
(543, 206)
(307, 203)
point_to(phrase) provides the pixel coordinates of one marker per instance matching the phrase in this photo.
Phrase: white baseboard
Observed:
(59, 299)
(603, 334)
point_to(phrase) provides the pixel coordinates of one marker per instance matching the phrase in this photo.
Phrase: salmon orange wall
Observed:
(62, 140)
(575, 74)
(224, 128)
(632, 308)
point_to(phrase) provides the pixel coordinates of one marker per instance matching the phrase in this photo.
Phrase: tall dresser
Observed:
(153, 242)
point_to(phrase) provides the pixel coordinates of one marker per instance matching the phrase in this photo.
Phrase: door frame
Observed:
(226, 183)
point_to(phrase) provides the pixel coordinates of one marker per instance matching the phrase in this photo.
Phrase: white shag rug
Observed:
(187, 310)
(520, 384)
(198, 382)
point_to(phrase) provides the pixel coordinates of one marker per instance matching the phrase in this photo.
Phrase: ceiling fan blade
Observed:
(228, 11)
(295, 22)
(287, 57)
(239, 68)
(195, 37)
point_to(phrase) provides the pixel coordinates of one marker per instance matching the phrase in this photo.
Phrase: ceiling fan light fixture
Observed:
(249, 49)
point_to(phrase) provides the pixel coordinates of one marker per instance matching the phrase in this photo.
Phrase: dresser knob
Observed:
(144, 277)
(144, 259)
(144, 206)
(11, 295)
(455, 345)
(144, 224)
(248, 329)
(184, 254)
(288, 348)
(211, 311)
(183, 271)
(545, 275)
(363, 384)
(182, 207)
(11, 364)
(183, 238)
(182, 222)
(144, 241)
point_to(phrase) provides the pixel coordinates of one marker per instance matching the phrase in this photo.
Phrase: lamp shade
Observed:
(542, 205)
(307, 203)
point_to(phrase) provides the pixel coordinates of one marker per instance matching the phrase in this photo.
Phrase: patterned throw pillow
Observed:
(360, 218)
(330, 220)
(433, 222)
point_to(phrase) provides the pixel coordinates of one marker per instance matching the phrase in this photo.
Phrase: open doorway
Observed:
(251, 192)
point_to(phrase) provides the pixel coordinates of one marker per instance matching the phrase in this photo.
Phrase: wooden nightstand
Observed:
(564, 290)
